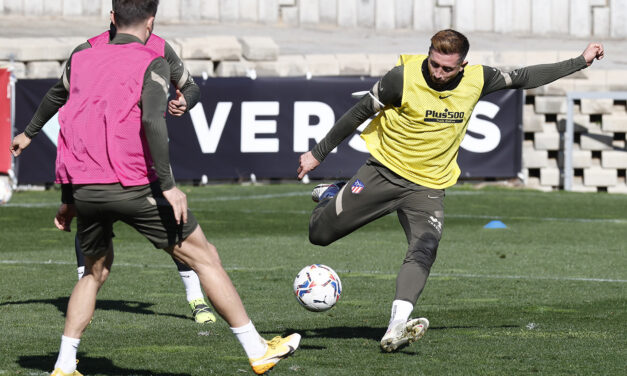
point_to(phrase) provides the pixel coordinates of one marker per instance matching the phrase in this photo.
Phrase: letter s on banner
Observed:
(304, 131)
(490, 131)
(358, 143)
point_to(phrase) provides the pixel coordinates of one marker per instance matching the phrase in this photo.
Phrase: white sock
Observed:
(80, 270)
(401, 309)
(67, 354)
(192, 285)
(254, 346)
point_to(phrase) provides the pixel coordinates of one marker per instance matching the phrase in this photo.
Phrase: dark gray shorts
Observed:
(149, 213)
(372, 193)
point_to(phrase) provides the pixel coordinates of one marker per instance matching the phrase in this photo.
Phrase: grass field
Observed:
(545, 296)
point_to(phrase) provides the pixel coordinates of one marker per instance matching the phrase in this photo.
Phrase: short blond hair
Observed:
(450, 42)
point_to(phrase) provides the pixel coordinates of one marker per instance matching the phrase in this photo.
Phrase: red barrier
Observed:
(5, 121)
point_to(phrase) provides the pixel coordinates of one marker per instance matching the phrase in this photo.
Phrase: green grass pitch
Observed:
(545, 296)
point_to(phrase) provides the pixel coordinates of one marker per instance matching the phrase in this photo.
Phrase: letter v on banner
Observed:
(209, 137)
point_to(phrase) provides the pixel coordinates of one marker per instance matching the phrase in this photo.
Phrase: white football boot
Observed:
(322, 191)
(403, 334)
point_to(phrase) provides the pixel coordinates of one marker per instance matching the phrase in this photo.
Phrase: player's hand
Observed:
(178, 106)
(19, 143)
(64, 217)
(593, 51)
(178, 200)
(307, 162)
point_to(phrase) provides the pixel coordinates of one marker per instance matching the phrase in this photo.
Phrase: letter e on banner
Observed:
(251, 127)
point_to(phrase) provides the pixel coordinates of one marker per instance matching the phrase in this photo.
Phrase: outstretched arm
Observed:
(537, 75)
(344, 127)
(54, 99)
(592, 52)
(386, 92)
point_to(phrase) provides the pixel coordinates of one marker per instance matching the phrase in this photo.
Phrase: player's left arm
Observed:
(154, 101)
(344, 127)
(537, 75)
(187, 92)
(153, 104)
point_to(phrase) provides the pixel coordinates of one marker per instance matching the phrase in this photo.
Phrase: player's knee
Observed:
(212, 249)
(211, 257)
(423, 252)
(318, 235)
(99, 275)
(319, 238)
(104, 274)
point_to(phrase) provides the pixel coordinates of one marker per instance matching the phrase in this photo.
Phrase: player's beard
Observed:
(437, 83)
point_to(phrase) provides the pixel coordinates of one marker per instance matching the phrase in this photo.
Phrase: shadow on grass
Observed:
(129, 306)
(88, 366)
(504, 326)
(371, 333)
(341, 332)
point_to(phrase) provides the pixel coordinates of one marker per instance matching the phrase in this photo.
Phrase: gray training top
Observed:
(153, 121)
(389, 92)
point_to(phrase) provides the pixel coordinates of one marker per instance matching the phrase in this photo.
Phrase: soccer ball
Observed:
(317, 287)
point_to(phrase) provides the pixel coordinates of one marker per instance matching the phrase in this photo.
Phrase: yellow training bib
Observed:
(420, 139)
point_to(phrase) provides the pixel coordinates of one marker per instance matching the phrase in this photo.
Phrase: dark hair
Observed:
(450, 42)
(132, 12)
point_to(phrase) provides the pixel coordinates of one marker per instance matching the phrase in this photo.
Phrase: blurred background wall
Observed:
(601, 18)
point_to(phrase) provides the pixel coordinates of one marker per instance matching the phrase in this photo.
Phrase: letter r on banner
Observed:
(304, 131)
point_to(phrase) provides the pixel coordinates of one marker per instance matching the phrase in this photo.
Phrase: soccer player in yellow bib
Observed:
(423, 106)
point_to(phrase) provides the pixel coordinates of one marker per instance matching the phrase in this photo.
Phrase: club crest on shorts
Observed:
(357, 187)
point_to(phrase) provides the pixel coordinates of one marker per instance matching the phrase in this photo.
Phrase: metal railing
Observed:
(570, 127)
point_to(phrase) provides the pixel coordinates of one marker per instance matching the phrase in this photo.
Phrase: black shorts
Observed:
(149, 213)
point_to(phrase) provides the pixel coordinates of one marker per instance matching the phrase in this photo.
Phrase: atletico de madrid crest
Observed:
(357, 187)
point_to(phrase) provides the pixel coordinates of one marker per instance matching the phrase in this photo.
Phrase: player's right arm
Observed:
(54, 99)
(386, 92)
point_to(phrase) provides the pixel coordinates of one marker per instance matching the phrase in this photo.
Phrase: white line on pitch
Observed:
(554, 219)
(487, 276)
(251, 197)
(236, 268)
(301, 193)
(191, 199)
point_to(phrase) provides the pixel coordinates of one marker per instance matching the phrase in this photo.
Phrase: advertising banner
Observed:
(5, 121)
(243, 126)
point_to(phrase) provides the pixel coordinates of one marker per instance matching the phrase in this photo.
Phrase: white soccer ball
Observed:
(5, 189)
(317, 287)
